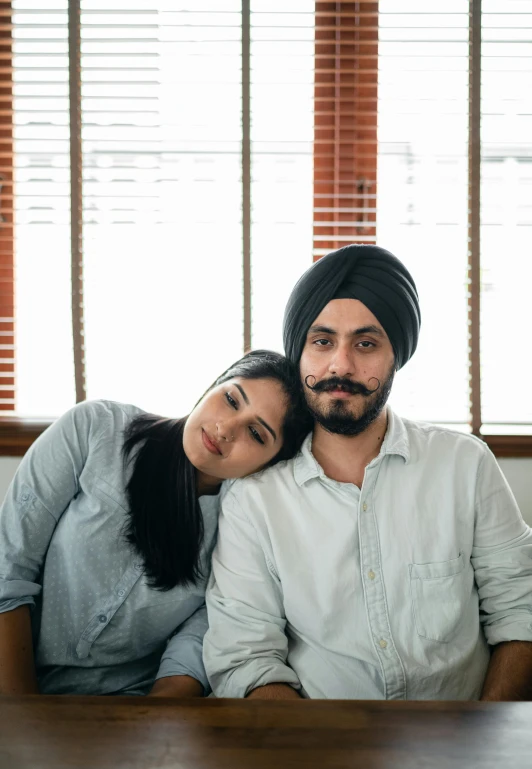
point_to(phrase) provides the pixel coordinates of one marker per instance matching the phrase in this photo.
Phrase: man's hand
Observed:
(509, 676)
(176, 686)
(274, 692)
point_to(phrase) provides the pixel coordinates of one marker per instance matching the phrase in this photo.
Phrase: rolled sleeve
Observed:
(246, 645)
(184, 652)
(502, 559)
(45, 482)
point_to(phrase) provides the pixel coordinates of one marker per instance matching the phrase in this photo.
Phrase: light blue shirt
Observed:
(99, 628)
(391, 591)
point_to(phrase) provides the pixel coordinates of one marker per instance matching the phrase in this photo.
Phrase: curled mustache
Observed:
(335, 383)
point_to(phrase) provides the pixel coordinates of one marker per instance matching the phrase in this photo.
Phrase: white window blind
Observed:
(162, 205)
(43, 358)
(282, 126)
(506, 215)
(162, 189)
(162, 197)
(422, 192)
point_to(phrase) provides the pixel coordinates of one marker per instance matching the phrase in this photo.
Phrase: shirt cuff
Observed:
(13, 603)
(515, 630)
(17, 592)
(258, 672)
(169, 668)
(184, 659)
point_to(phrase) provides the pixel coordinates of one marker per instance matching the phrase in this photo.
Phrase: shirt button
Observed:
(102, 618)
(25, 497)
(121, 593)
(371, 574)
(138, 566)
(383, 644)
(364, 507)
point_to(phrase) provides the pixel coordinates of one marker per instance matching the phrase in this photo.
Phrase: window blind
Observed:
(7, 310)
(282, 108)
(422, 200)
(506, 215)
(44, 358)
(358, 118)
(161, 99)
(345, 139)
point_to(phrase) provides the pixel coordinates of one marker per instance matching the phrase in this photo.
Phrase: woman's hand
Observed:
(176, 686)
(17, 664)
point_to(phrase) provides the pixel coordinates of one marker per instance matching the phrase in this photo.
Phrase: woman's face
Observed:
(236, 428)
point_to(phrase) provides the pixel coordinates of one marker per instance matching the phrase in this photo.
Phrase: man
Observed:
(389, 559)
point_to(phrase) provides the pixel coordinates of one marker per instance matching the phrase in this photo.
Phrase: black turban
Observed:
(367, 273)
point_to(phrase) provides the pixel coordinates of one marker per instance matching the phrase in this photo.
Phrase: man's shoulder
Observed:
(264, 482)
(426, 438)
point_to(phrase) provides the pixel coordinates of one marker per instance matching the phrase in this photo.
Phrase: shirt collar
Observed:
(396, 441)
(305, 464)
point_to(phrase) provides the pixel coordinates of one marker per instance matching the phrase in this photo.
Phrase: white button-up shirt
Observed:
(391, 591)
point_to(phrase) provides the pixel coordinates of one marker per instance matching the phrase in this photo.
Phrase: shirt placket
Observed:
(374, 590)
(108, 609)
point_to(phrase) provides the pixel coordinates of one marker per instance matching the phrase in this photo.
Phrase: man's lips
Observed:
(210, 444)
(339, 392)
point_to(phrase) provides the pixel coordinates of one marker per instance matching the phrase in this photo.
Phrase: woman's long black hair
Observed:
(165, 524)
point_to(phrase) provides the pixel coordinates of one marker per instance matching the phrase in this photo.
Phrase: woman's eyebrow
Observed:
(263, 423)
(242, 393)
(267, 426)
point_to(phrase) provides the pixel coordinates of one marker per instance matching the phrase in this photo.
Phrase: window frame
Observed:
(18, 433)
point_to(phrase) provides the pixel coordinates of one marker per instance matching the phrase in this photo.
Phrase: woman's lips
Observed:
(210, 445)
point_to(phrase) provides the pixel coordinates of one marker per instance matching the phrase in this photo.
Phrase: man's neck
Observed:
(345, 457)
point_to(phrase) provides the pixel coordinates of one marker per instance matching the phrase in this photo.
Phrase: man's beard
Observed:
(337, 419)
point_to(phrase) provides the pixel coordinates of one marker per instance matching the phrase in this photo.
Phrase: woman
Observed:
(107, 529)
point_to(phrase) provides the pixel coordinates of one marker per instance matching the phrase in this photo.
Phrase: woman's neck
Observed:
(207, 485)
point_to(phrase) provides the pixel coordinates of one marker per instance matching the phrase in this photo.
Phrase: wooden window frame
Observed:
(348, 30)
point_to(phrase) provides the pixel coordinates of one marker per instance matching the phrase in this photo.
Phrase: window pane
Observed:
(44, 357)
(422, 193)
(506, 216)
(162, 198)
(282, 94)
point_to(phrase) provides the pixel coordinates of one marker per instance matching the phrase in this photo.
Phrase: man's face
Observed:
(347, 366)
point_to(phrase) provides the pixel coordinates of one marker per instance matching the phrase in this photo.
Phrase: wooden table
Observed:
(143, 733)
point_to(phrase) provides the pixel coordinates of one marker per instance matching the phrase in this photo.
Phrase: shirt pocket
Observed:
(440, 594)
